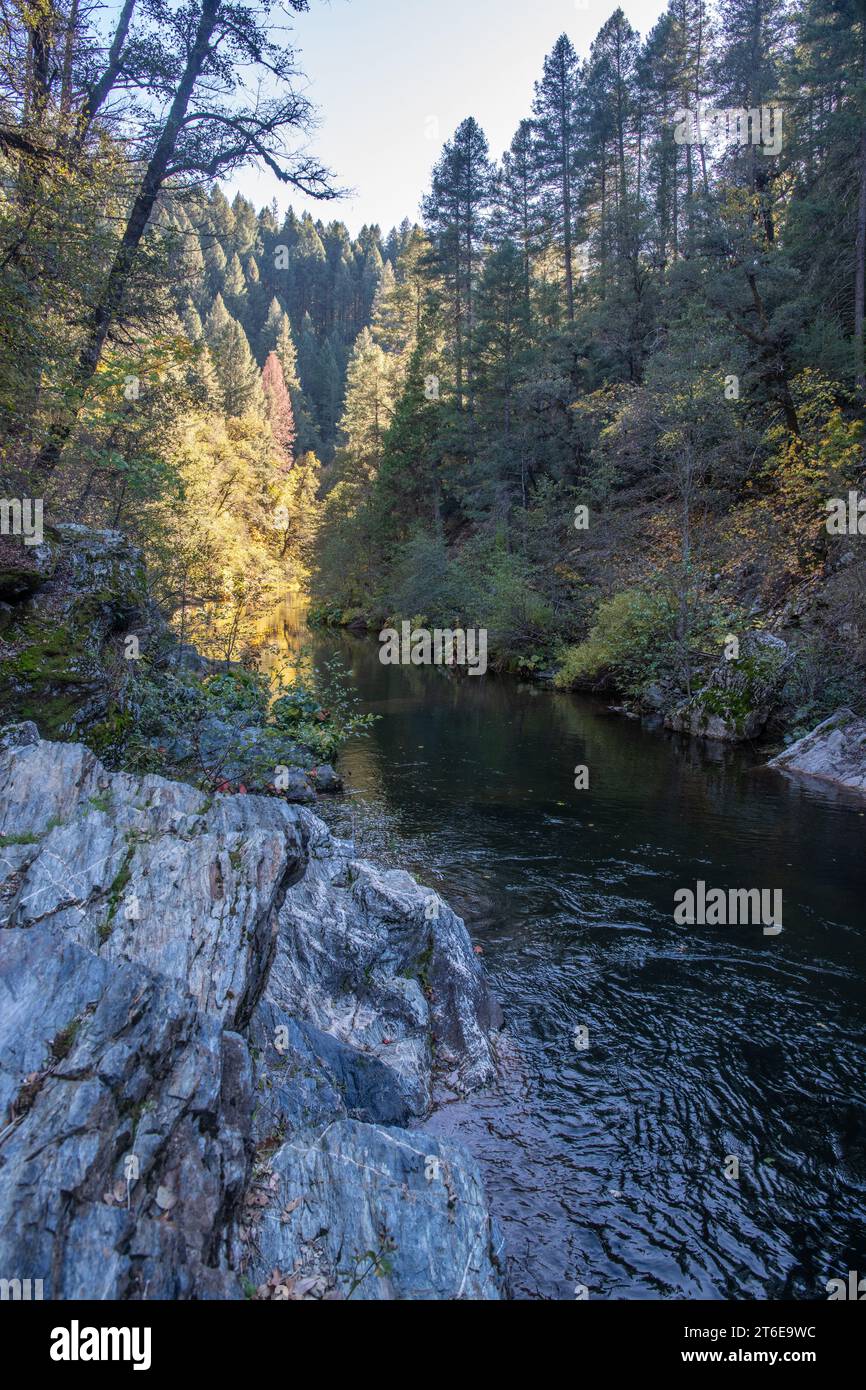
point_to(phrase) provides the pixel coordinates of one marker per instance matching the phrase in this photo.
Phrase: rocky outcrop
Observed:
(440, 1206)
(148, 870)
(738, 697)
(69, 597)
(835, 751)
(215, 1022)
(374, 958)
(250, 755)
(24, 568)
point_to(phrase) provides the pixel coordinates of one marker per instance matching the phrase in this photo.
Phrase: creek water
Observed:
(609, 1165)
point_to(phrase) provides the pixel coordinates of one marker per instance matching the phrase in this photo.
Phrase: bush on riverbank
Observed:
(629, 644)
(237, 727)
(484, 584)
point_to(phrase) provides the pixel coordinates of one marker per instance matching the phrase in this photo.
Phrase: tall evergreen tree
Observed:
(368, 409)
(554, 114)
(457, 210)
(518, 214)
(236, 369)
(610, 107)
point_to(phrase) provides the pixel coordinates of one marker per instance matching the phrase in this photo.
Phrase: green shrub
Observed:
(630, 643)
(164, 716)
(521, 623)
(320, 709)
(233, 693)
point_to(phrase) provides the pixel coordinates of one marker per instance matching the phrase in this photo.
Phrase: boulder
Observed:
(209, 1007)
(835, 751)
(374, 960)
(19, 735)
(738, 697)
(186, 657)
(325, 779)
(252, 754)
(148, 870)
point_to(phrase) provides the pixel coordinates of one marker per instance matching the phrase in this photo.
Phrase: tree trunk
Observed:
(66, 82)
(101, 88)
(106, 309)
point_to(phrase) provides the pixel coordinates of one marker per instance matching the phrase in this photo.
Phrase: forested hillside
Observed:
(618, 375)
(295, 286)
(596, 401)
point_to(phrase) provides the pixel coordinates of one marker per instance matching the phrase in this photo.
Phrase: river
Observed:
(609, 1165)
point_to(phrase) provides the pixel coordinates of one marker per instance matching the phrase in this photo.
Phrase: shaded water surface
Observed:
(606, 1166)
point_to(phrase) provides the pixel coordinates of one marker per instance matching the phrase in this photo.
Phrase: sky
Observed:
(394, 78)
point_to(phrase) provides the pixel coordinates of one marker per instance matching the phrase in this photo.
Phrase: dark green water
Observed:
(606, 1166)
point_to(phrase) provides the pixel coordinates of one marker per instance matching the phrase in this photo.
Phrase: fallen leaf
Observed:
(305, 1286)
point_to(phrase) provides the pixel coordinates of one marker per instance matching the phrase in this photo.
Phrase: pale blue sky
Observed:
(393, 78)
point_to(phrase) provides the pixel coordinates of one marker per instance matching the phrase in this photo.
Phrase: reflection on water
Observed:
(607, 1166)
(283, 635)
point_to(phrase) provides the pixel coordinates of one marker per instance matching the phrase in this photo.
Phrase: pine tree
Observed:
(368, 409)
(689, 38)
(501, 332)
(406, 489)
(518, 214)
(456, 211)
(385, 315)
(307, 434)
(234, 288)
(416, 292)
(192, 323)
(554, 114)
(658, 83)
(221, 219)
(217, 321)
(215, 266)
(236, 368)
(284, 347)
(610, 103)
(330, 399)
(305, 278)
(746, 72)
(246, 224)
(827, 144)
